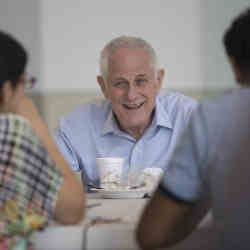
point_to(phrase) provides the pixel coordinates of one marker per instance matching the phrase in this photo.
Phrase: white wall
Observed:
(217, 15)
(65, 37)
(22, 19)
(75, 31)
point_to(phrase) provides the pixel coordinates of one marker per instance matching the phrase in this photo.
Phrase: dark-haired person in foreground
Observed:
(34, 177)
(213, 157)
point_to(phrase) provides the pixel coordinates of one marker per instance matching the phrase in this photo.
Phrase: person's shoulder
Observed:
(176, 98)
(224, 112)
(229, 101)
(16, 129)
(15, 124)
(87, 112)
(177, 102)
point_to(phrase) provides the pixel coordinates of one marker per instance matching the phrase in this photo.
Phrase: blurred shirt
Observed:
(29, 180)
(213, 156)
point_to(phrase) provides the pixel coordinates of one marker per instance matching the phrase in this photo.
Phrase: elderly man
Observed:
(211, 159)
(134, 122)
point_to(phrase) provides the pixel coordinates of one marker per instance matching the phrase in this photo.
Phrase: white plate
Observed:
(121, 194)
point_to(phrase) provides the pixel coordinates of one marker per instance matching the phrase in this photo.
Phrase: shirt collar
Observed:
(110, 125)
(161, 119)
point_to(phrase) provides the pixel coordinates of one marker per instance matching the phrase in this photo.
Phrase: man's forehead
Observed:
(130, 61)
(125, 77)
(124, 52)
(130, 72)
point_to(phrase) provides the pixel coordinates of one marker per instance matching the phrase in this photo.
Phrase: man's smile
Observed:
(133, 105)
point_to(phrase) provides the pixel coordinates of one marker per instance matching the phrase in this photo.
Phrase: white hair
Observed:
(124, 42)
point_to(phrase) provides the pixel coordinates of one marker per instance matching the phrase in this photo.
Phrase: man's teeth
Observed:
(132, 106)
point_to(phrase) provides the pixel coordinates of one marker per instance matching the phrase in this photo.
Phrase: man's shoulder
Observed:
(231, 104)
(176, 102)
(88, 112)
(230, 99)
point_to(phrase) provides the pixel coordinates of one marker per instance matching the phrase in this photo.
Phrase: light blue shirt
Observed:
(90, 131)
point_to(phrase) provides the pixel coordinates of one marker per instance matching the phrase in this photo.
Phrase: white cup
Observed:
(110, 170)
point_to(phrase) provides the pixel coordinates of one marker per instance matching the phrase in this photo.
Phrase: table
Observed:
(106, 236)
(59, 238)
(102, 236)
(114, 235)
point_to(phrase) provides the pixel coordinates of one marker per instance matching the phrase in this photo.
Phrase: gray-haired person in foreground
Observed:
(213, 157)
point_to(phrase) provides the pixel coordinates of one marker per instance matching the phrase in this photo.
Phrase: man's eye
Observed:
(141, 81)
(120, 84)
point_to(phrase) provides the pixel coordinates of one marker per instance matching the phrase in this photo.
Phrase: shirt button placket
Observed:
(135, 159)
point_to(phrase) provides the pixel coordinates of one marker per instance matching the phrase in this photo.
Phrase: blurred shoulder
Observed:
(15, 125)
(17, 134)
(233, 102)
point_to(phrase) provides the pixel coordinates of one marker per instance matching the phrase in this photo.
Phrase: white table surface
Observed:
(59, 238)
(117, 236)
(103, 236)
(116, 207)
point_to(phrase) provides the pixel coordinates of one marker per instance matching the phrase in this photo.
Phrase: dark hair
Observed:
(237, 43)
(13, 59)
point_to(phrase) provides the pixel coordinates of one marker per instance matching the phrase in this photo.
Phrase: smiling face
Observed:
(131, 85)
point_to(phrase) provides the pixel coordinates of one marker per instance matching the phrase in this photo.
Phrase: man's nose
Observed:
(132, 92)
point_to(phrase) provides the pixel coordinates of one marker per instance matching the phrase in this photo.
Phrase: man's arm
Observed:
(163, 222)
(167, 220)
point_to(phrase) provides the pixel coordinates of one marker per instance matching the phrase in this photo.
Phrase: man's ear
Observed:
(159, 78)
(101, 82)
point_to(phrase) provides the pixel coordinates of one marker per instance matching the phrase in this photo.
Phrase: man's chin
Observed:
(132, 121)
(136, 124)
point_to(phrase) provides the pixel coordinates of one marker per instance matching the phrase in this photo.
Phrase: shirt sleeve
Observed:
(66, 149)
(27, 175)
(183, 177)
